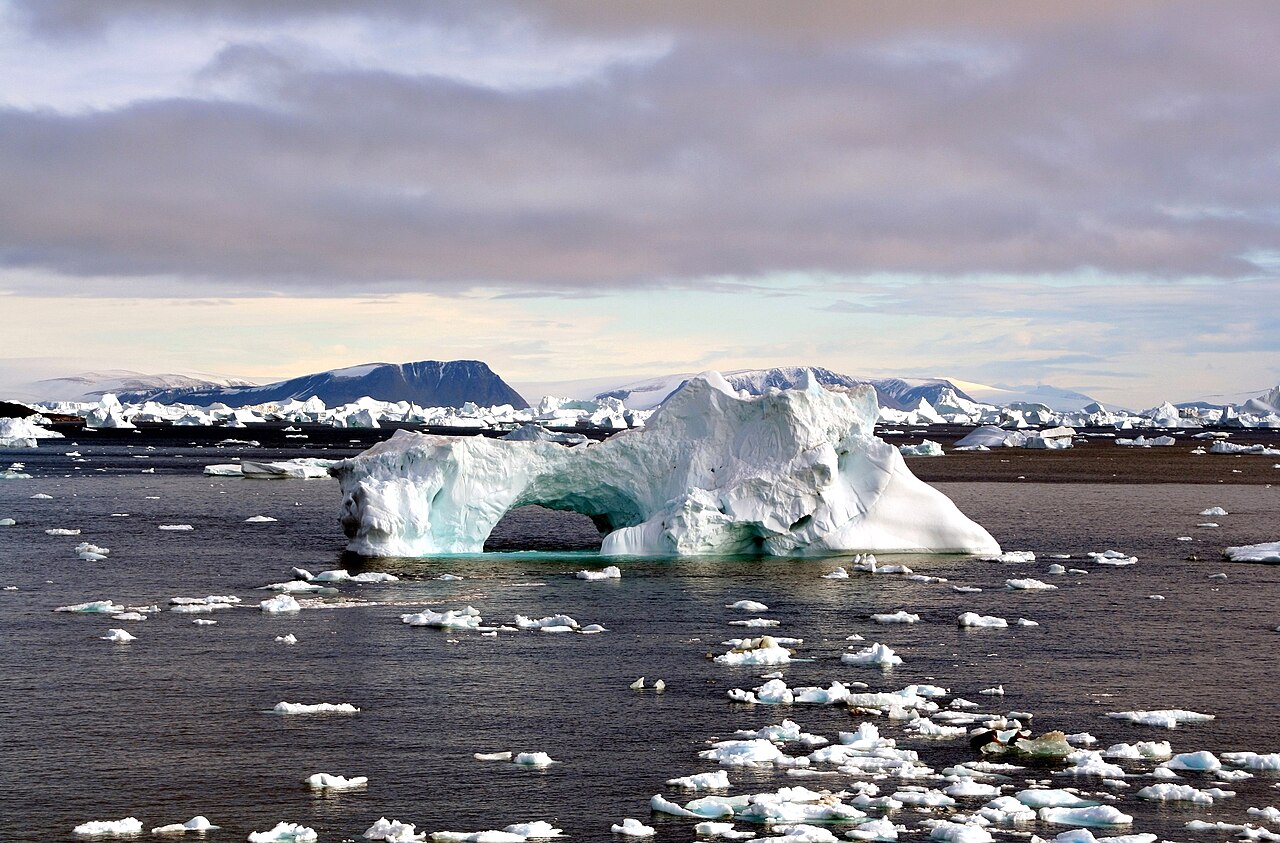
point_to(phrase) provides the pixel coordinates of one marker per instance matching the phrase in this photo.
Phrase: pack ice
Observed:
(794, 472)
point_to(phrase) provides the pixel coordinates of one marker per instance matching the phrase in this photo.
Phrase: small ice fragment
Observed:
(62, 531)
(314, 708)
(612, 572)
(901, 616)
(717, 780)
(109, 828)
(1029, 585)
(325, 781)
(290, 638)
(637, 685)
(7, 522)
(204, 622)
(633, 828)
(119, 636)
(966, 589)
(1055, 568)
(259, 519)
(285, 832)
(876, 655)
(196, 823)
(129, 616)
(448, 577)
(1214, 511)
(534, 759)
(659, 686)
(1209, 524)
(279, 605)
(179, 528)
(838, 574)
(1098, 815)
(1155, 596)
(1163, 718)
(1199, 761)
(41, 496)
(748, 606)
(1218, 576)
(973, 619)
(997, 691)
(492, 756)
(1027, 622)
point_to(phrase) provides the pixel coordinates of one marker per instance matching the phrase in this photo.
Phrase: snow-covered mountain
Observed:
(428, 383)
(1063, 400)
(895, 393)
(90, 386)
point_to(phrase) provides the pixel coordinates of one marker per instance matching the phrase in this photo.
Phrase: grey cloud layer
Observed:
(1135, 140)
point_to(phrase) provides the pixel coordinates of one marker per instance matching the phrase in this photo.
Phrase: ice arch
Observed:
(789, 473)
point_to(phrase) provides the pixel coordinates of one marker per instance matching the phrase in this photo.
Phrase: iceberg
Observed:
(796, 472)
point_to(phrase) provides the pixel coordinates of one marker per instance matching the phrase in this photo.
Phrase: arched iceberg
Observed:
(796, 472)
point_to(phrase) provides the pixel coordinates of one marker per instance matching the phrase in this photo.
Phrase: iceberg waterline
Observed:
(790, 473)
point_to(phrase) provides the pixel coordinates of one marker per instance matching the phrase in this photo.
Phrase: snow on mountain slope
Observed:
(1063, 400)
(91, 386)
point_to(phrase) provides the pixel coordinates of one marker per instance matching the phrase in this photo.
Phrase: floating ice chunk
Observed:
(1166, 792)
(882, 830)
(757, 622)
(290, 638)
(876, 655)
(260, 519)
(536, 830)
(129, 616)
(838, 574)
(1027, 622)
(203, 622)
(748, 606)
(1264, 552)
(39, 496)
(296, 587)
(743, 753)
(973, 619)
(1083, 835)
(196, 823)
(62, 531)
(1087, 762)
(966, 589)
(1214, 511)
(997, 691)
(314, 708)
(285, 832)
(1167, 718)
(716, 780)
(11, 474)
(534, 759)
(1029, 585)
(178, 528)
(927, 448)
(902, 616)
(550, 621)
(659, 686)
(467, 618)
(93, 607)
(1271, 815)
(967, 788)
(119, 636)
(1253, 760)
(1098, 815)
(633, 828)
(756, 651)
(394, 831)
(1011, 556)
(1113, 557)
(953, 832)
(1232, 448)
(1198, 761)
(1141, 749)
(109, 828)
(492, 756)
(325, 781)
(280, 605)
(1148, 442)
(1051, 798)
(611, 572)
(7, 522)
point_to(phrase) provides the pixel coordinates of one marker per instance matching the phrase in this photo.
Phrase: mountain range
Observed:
(427, 383)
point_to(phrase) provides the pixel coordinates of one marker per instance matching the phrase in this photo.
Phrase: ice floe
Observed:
(716, 780)
(973, 619)
(326, 781)
(764, 650)
(633, 828)
(315, 708)
(281, 604)
(109, 828)
(534, 759)
(198, 824)
(1099, 815)
(748, 606)
(393, 831)
(1167, 718)
(119, 636)
(876, 655)
(1029, 585)
(901, 616)
(1264, 552)
(610, 572)
(467, 618)
(285, 832)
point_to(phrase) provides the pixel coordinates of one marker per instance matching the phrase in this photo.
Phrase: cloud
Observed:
(850, 142)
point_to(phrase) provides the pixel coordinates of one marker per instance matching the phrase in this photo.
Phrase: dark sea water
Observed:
(176, 723)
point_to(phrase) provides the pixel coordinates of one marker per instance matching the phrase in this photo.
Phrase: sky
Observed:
(1084, 194)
